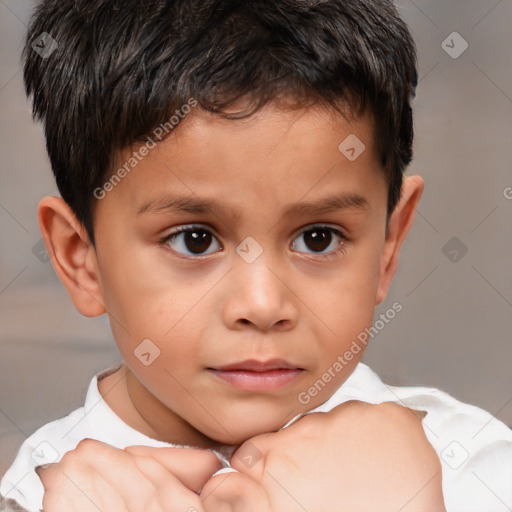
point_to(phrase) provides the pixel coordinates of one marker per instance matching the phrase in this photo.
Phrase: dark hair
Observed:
(122, 68)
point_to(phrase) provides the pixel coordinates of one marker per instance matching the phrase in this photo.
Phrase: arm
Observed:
(356, 457)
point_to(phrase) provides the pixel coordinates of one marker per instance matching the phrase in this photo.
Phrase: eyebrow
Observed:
(186, 204)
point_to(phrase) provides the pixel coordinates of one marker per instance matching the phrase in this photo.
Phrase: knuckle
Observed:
(70, 465)
(85, 450)
(308, 429)
(87, 444)
(354, 415)
(396, 417)
(387, 408)
(355, 408)
(69, 458)
(308, 425)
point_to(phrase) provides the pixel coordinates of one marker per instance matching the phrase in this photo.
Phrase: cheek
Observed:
(150, 315)
(168, 308)
(144, 293)
(349, 296)
(346, 304)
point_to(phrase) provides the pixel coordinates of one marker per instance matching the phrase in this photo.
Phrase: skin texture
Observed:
(216, 309)
(367, 456)
(96, 476)
(382, 462)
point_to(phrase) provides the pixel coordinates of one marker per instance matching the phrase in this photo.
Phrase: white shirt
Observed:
(475, 448)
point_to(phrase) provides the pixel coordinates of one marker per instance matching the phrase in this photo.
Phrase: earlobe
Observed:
(399, 225)
(72, 255)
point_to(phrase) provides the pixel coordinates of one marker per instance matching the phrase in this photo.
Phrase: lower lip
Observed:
(258, 381)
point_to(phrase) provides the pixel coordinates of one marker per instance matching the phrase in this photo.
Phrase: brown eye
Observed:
(321, 240)
(192, 241)
(197, 241)
(317, 239)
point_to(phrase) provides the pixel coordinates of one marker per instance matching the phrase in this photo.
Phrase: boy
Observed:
(232, 198)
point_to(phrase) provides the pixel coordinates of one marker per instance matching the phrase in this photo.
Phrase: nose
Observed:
(259, 296)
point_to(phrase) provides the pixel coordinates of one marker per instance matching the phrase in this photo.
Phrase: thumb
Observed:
(192, 466)
(233, 492)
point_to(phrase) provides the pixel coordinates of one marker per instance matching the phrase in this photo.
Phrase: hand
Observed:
(96, 476)
(356, 457)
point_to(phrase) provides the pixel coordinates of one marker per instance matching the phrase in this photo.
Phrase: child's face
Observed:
(304, 299)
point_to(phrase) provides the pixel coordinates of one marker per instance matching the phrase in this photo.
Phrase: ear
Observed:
(72, 254)
(399, 225)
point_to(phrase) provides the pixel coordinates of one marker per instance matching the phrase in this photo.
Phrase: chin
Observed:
(244, 430)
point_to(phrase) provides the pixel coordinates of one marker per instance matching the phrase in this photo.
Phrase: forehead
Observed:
(276, 155)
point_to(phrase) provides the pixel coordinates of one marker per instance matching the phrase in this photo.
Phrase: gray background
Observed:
(454, 329)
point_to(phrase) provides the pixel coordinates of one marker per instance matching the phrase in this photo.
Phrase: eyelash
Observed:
(331, 254)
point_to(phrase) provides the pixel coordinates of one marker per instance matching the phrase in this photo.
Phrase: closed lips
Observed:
(253, 365)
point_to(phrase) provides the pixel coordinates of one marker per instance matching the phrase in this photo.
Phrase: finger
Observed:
(83, 491)
(47, 473)
(193, 467)
(121, 480)
(234, 492)
(95, 461)
(42, 469)
(169, 494)
(250, 457)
